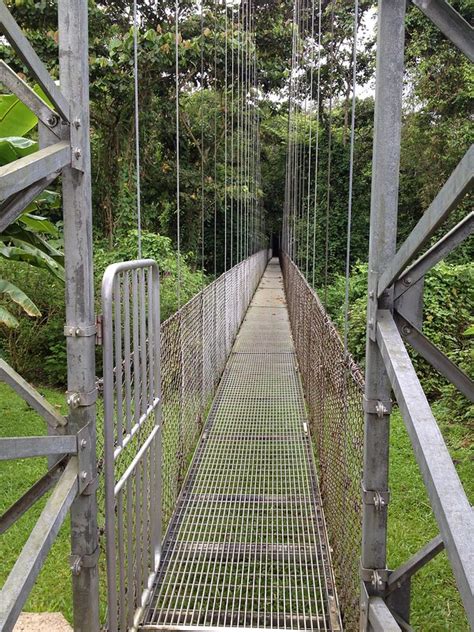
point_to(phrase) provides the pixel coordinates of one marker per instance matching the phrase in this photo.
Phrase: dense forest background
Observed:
(437, 130)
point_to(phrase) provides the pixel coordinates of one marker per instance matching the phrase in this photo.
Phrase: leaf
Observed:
(15, 118)
(19, 297)
(7, 319)
(32, 256)
(38, 224)
(14, 147)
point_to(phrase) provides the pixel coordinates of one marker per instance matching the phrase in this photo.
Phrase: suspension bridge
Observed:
(237, 477)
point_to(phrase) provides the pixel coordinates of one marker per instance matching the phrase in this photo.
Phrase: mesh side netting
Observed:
(333, 385)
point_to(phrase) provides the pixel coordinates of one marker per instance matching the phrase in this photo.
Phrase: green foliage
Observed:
(160, 249)
(448, 319)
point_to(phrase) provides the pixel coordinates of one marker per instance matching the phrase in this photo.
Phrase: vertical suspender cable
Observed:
(202, 109)
(310, 143)
(225, 136)
(178, 218)
(215, 138)
(316, 149)
(351, 177)
(137, 128)
(328, 192)
(232, 137)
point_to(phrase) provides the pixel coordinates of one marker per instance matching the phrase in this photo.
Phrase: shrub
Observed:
(37, 348)
(448, 316)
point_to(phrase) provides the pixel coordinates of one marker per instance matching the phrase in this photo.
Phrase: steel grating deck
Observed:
(247, 545)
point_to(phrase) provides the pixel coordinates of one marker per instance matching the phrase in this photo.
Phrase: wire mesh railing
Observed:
(194, 346)
(333, 385)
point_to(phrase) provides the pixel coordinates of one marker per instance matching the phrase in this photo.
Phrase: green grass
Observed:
(436, 604)
(52, 591)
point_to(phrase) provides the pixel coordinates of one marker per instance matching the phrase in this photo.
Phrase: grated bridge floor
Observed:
(247, 545)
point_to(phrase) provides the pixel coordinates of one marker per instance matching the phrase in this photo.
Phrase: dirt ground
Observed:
(42, 622)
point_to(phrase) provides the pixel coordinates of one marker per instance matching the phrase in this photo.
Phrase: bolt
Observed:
(406, 330)
(76, 565)
(380, 409)
(77, 123)
(83, 476)
(74, 400)
(407, 280)
(371, 294)
(53, 120)
(83, 444)
(78, 331)
(371, 323)
(77, 153)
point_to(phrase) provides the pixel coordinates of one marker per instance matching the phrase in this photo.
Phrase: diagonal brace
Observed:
(29, 498)
(19, 582)
(447, 496)
(28, 96)
(450, 23)
(434, 255)
(25, 51)
(31, 396)
(454, 189)
(12, 208)
(435, 357)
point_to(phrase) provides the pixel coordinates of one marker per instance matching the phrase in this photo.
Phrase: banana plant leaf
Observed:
(7, 318)
(19, 297)
(33, 256)
(23, 234)
(14, 147)
(15, 118)
(38, 224)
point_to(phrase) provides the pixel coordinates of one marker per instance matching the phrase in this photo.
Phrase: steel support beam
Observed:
(26, 53)
(435, 357)
(31, 396)
(382, 245)
(12, 208)
(455, 188)
(22, 173)
(434, 255)
(80, 308)
(450, 23)
(20, 581)
(29, 498)
(448, 499)
(29, 447)
(28, 96)
(380, 617)
(413, 565)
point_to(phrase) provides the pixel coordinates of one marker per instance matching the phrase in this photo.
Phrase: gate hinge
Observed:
(79, 332)
(75, 399)
(377, 577)
(78, 562)
(98, 326)
(377, 406)
(375, 497)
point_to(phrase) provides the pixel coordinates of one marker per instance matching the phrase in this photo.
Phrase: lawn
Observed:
(436, 603)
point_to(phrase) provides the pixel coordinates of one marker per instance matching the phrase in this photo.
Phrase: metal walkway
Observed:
(247, 546)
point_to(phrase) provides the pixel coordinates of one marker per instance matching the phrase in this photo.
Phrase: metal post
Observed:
(80, 320)
(383, 231)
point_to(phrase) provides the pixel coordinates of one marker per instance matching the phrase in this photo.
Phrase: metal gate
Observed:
(132, 436)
